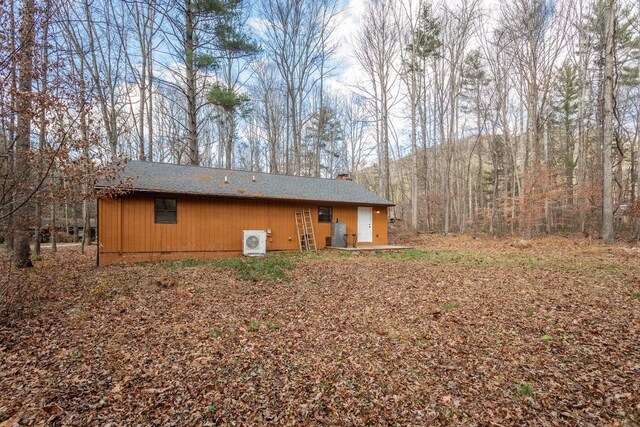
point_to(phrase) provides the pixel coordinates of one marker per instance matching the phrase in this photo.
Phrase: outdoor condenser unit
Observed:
(338, 231)
(254, 242)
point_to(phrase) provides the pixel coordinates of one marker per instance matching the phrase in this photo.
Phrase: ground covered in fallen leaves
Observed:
(458, 331)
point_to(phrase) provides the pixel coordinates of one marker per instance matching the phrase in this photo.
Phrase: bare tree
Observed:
(95, 41)
(459, 25)
(535, 36)
(608, 137)
(408, 21)
(377, 47)
(142, 23)
(295, 39)
(25, 60)
(270, 107)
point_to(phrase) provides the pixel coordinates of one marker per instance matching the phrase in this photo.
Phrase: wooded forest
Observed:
(519, 117)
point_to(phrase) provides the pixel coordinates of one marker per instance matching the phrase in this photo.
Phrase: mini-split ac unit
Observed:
(254, 242)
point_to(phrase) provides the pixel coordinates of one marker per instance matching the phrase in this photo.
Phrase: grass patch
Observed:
(525, 390)
(411, 254)
(636, 296)
(253, 326)
(268, 268)
(274, 325)
(546, 337)
(506, 260)
(451, 306)
(191, 262)
(256, 325)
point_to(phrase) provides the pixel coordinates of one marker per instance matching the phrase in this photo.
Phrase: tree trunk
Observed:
(76, 225)
(150, 107)
(142, 101)
(21, 245)
(52, 229)
(86, 228)
(608, 137)
(414, 153)
(192, 124)
(231, 129)
(42, 139)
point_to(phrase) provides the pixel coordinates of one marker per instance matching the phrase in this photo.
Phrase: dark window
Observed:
(325, 213)
(166, 211)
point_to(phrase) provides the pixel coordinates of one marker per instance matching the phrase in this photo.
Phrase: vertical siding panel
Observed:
(130, 218)
(202, 226)
(173, 229)
(153, 243)
(213, 210)
(218, 212)
(124, 223)
(136, 244)
(148, 224)
(121, 220)
(150, 220)
(142, 218)
(108, 225)
(187, 227)
(140, 213)
(196, 220)
(202, 222)
(134, 205)
(209, 210)
(225, 214)
(140, 205)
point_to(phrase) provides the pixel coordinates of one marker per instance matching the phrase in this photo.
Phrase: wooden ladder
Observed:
(304, 227)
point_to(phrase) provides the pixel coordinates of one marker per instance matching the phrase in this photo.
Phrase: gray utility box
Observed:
(338, 231)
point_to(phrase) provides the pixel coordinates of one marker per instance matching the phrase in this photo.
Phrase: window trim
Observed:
(156, 210)
(330, 214)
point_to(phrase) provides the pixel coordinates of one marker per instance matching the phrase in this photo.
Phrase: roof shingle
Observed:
(181, 179)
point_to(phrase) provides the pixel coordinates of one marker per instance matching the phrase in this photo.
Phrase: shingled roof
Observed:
(181, 179)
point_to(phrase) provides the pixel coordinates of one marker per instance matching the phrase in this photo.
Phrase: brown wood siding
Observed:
(209, 226)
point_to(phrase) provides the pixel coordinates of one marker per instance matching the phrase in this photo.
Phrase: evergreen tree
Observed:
(232, 44)
(202, 30)
(565, 115)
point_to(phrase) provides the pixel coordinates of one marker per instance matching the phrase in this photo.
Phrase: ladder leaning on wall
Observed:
(304, 227)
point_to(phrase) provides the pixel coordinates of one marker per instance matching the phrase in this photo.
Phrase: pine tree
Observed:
(203, 28)
(232, 44)
(565, 113)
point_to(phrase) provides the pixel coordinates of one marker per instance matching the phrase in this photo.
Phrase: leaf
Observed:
(11, 422)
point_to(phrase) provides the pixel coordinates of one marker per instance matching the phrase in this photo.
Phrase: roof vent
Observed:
(253, 178)
(226, 181)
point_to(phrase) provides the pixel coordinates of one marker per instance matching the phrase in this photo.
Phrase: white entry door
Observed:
(365, 224)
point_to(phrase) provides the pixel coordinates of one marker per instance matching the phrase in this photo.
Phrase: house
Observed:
(175, 212)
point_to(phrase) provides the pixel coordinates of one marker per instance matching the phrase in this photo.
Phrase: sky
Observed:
(349, 23)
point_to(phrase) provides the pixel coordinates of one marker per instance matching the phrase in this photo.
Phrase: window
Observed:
(325, 213)
(166, 211)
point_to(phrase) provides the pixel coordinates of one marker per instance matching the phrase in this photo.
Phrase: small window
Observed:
(325, 213)
(166, 211)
